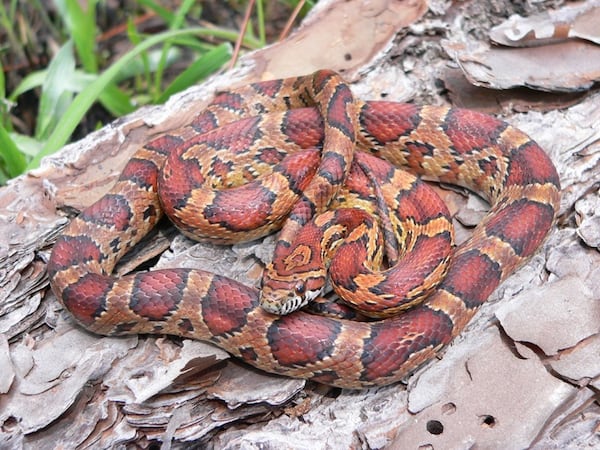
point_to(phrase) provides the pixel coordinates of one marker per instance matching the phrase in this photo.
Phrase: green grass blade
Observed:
(14, 161)
(7, 23)
(175, 24)
(260, 18)
(2, 82)
(136, 39)
(82, 26)
(27, 145)
(164, 13)
(149, 65)
(90, 94)
(201, 68)
(4, 102)
(31, 81)
(180, 14)
(117, 102)
(56, 91)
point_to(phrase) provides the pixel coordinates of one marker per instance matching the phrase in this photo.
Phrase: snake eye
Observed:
(300, 288)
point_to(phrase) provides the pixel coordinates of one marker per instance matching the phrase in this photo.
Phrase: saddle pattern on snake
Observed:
(455, 146)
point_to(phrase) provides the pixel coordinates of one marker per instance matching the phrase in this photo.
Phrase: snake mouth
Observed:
(292, 305)
(289, 304)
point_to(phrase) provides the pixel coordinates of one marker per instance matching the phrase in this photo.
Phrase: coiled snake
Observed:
(450, 145)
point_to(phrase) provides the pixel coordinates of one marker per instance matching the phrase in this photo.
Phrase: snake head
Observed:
(283, 294)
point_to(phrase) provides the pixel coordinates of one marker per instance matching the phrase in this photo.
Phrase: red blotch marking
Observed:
(141, 172)
(243, 208)
(225, 306)
(469, 130)
(416, 153)
(392, 342)
(303, 127)
(421, 204)
(350, 256)
(269, 88)
(352, 218)
(271, 155)
(112, 210)
(185, 325)
(411, 271)
(157, 293)
(302, 212)
(489, 167)
(472, 277)
(522, 224)
(72, 251)
(178, 178)
(86, 298)
(378, 168)
(327, 377)
(300, 339)
(357, 182)
(321, 78)
(205, 121)
(300, 168)
(220, 168)
(164, 144)
(333, 169)
(348, 263)
(530, 164)
(337, 111)
(248, 354)
(387, 121)
(236, 136)
(230, 101)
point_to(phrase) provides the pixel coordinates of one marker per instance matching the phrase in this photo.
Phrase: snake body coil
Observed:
(449, 145)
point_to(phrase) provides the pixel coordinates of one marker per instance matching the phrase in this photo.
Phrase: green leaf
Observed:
(2, 82)
(200, 69)
(90, 94)
(4, 103)
(117, 102)
(34, 80)
(164, 13)
(14, 161)
(31, 81)
(26, 144)
(82, 25)
(175, 24)
(260, 18)
(136, 39)
(56, 91)
(179, 17)
(150, 63)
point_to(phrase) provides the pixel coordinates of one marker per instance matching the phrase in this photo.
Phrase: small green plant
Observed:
(79, 76)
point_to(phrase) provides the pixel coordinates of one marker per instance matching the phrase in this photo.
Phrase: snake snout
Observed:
(282, 303)
(283, 294)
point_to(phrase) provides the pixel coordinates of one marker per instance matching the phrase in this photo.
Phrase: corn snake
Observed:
(451, 145)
